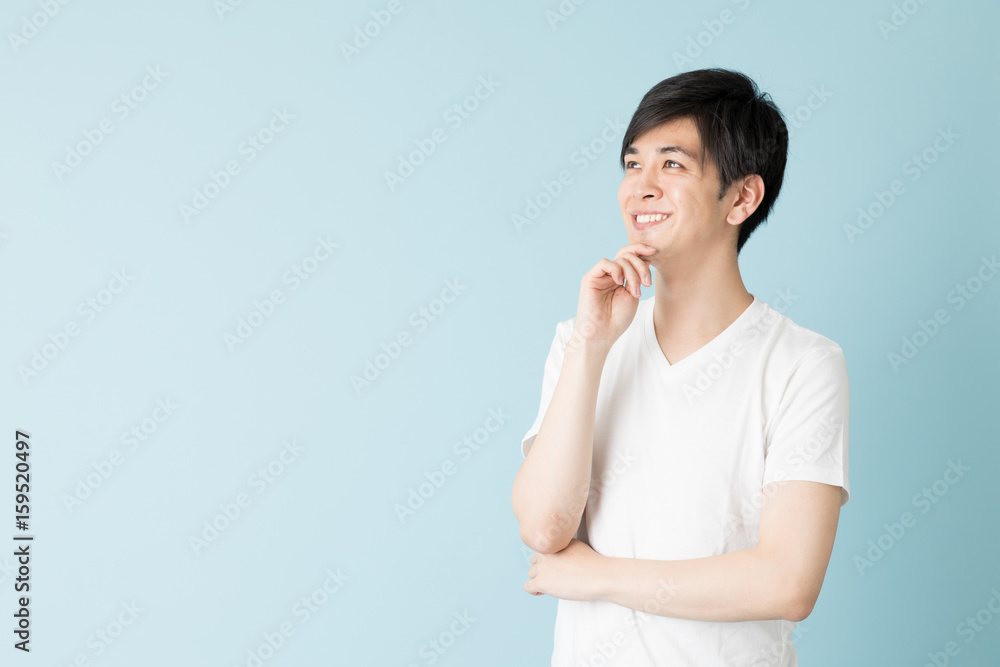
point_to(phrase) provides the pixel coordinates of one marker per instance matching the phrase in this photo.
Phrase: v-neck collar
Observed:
(659, 360)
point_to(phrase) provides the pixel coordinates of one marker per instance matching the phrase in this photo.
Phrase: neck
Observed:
(698, 297)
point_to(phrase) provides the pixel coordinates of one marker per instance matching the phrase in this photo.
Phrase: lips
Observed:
(639, 226)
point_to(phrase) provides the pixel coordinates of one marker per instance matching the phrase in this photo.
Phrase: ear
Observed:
(745, 195)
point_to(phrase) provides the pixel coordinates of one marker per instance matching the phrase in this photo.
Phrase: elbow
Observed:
(797, 611)
(798, 606)
(549, 536)
(792, 588)
(543, 531)
(543, 540)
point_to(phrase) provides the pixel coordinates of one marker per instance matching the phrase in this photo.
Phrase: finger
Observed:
(646, 251)
(640, 248)
(641, 265)
(605, 267)
(631, 275)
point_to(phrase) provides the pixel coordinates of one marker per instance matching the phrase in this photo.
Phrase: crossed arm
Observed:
(778, 578)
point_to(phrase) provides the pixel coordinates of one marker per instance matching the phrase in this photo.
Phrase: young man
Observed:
(683, 480)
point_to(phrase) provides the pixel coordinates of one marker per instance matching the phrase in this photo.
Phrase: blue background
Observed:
(557, 83)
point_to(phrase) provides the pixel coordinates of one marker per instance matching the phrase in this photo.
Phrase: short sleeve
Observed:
(553, 364)
(807, 437)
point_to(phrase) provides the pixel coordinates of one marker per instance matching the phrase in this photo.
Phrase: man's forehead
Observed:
(664, 147)
(674, 137)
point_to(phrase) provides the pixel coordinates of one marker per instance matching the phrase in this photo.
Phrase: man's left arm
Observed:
(778, 578)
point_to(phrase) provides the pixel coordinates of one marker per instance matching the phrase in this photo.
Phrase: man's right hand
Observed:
(607, 305)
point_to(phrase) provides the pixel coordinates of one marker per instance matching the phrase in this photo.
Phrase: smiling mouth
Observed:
(648, 221)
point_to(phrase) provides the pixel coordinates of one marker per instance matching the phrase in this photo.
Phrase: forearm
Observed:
(551, 488)
(743, 585)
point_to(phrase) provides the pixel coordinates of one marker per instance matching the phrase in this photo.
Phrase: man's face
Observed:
(663, 175)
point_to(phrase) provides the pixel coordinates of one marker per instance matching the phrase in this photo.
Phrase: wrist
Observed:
(601, 583)
(588, 345)
(589, 357)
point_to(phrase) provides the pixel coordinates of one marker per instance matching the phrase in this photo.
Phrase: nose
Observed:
(646, 185)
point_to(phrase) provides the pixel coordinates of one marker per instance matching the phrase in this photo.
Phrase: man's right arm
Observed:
(551, 488)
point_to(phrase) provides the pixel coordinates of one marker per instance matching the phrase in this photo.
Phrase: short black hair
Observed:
(741, 129)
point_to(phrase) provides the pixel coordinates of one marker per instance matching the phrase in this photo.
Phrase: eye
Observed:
(631, 162)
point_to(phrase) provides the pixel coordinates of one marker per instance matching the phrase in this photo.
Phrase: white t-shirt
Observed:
(681, 453)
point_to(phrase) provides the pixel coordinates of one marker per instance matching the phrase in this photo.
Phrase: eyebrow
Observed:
(672, 148)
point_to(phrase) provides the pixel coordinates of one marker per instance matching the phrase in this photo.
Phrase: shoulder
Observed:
(789, 344)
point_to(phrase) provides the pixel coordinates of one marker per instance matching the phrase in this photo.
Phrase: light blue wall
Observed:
(343, 122)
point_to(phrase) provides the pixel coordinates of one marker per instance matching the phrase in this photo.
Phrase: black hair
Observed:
(741, 130)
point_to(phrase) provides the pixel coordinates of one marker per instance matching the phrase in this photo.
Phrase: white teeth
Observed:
(650, 218)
